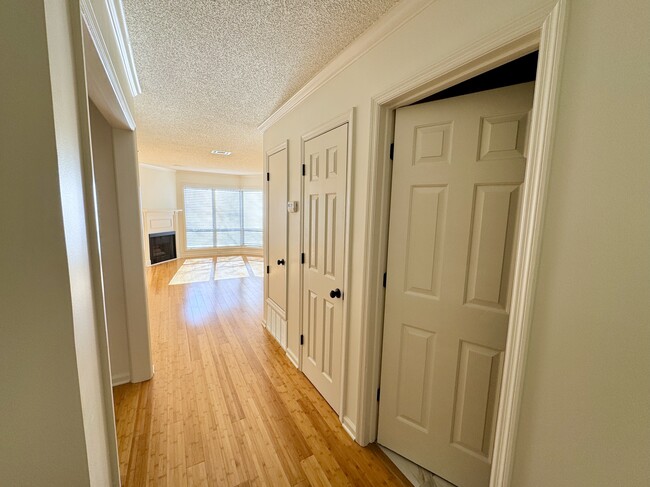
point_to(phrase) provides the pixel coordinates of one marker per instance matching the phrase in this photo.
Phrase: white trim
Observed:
(276, 323)
(88, 15)
(182, 168)
(349, 427)
(159, 168)
(347, 117)
(515, 39)
(276, 308)
(119, 379)
(116, 11)
(75, 38)
(529, 242)
(544, 28)
(385, 26)
(293, 358)
(159, 216)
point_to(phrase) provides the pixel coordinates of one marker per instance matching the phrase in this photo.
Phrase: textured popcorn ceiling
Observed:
(212, 70)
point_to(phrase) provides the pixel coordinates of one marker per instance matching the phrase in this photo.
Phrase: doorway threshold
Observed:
(418, 476)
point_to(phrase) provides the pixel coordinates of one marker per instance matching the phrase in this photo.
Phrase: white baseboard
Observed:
(349, 427)
(119, 379)
(293, 358)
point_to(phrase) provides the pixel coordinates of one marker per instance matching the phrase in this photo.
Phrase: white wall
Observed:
(157, 188)
(605, 162)
(443, 27)
(586, 412)
(55, 379)
(216, 180)
(109, 232)
(251, 182)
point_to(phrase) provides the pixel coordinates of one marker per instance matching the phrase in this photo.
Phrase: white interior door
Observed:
(277, 228)
(458, 168)
(326, 159)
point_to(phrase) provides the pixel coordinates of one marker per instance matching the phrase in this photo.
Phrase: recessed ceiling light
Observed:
(221, 152)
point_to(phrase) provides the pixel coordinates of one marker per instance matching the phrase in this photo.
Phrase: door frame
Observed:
(267, 300)
(347, 117)
(101, 85)
(541, 30)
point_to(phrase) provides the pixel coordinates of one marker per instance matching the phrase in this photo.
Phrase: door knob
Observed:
(280, 261)
(335, 293)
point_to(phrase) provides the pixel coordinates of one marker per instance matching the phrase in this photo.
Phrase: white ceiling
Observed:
(211, 71)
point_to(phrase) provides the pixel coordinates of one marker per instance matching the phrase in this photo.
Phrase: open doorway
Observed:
(544, 34)
(458, 167)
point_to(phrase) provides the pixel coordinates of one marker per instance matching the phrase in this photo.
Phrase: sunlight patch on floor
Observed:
(218, 268)
(257, 265)
(230, 267)
(193, 270)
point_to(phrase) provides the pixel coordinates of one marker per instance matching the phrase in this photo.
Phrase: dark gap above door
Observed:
(521, 70)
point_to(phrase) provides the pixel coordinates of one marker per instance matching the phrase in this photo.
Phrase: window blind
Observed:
(222, 218)
(253, 221)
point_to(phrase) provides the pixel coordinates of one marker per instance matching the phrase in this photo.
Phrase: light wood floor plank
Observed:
(226, 407)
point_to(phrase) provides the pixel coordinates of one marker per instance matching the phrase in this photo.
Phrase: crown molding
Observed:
(179, 168)
(95, 32)
(118, 21)
(159, 168)
(385, 26)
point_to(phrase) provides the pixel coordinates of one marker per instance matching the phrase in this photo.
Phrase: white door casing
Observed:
(324, 213)
(459, 164)
(276, 233)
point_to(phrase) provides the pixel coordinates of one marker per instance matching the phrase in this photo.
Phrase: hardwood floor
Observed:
(225, 406)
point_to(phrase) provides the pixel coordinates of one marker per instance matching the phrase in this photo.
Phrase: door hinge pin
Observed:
(268, 269)
(378, 389)
(302, 258)
(384, 279)
(304, 169)
(302, 339)
(392, 151)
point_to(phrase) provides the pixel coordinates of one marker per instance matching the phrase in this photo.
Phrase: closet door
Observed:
(276, 234)
(324, 241)
(276, 243)
(458, 168)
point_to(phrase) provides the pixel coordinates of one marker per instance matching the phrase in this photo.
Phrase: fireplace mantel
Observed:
(158, 221)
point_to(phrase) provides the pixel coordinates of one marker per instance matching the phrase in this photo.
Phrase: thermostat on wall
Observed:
(292, 206)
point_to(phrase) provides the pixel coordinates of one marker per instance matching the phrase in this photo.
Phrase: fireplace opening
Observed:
(162, 246)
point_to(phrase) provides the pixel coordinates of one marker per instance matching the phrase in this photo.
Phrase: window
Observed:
(222, 218)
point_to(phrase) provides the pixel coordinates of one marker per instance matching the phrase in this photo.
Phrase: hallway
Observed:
(225, 406)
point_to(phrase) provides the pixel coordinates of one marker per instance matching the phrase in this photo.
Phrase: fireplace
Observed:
(162, 246)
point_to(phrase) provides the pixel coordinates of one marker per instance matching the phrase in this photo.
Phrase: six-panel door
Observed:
(277, 228)
(324, 237)
(458, 168)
